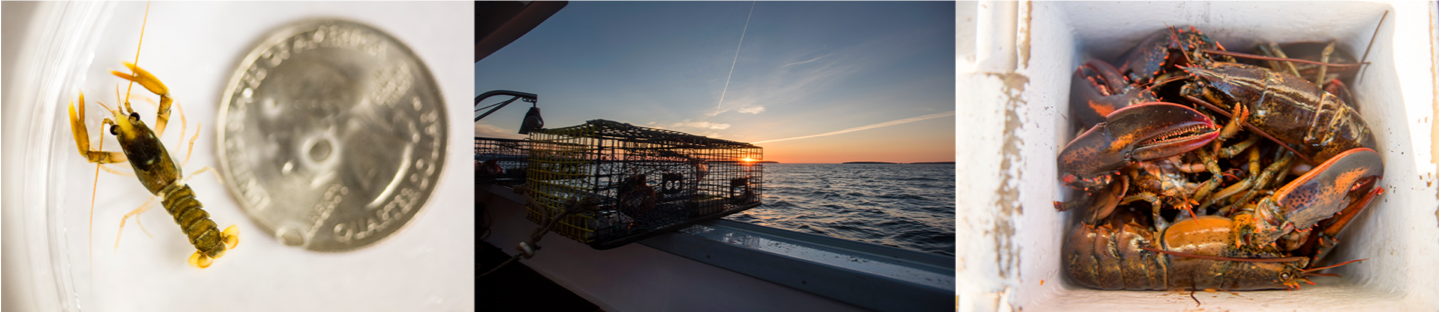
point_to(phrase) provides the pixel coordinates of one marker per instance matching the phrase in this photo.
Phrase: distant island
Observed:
(868, 163)
(934, 163)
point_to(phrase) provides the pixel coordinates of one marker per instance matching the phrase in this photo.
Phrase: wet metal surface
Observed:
(867, 275)
(863, 275)
(891, 266)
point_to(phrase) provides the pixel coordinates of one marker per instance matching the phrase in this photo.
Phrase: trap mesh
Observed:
(644, 181)
(500, 160)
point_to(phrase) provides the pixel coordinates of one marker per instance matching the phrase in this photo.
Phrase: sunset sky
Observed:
(813, 82)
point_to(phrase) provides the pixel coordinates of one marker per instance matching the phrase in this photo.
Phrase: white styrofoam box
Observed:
(1013, 95)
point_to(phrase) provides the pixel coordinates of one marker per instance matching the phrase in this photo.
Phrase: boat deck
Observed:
(730, 266)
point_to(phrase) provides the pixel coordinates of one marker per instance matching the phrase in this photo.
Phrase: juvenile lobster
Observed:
(154, 168)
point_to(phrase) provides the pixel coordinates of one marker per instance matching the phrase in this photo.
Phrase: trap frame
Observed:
(511, 157)
(638, 181)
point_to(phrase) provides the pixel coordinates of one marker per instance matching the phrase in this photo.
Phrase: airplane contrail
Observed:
(861, 128)
(736, 58)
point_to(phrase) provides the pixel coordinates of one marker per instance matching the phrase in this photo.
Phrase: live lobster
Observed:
(1142, 150)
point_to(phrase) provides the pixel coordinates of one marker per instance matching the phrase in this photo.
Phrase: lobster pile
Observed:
(1195, 171)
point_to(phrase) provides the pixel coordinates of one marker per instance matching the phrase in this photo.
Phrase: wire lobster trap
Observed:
(640, 181)
(501, 160)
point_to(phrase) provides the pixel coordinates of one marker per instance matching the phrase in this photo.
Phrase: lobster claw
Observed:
(1147, 59)
(1342, 186)
(1136, 133)
(1098, 89)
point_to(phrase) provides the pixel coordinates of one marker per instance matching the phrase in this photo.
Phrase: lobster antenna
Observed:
(137, 56)
(107, 107)
(94, 187)
(1281, 59)
(1371, 45)
(1251, 128)
(1333, 266)
(1173, 253)
(1170, 79)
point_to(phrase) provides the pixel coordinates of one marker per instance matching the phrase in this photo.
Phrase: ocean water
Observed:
(905, 206)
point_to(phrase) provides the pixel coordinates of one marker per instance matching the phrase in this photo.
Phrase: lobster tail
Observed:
(1102, 257)
(179, 200)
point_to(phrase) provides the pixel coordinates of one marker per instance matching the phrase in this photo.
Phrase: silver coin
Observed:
(332, 135)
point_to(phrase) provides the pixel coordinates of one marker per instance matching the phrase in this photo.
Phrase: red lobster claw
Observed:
(1097, 89)
(1136, 133)
(1338, 185)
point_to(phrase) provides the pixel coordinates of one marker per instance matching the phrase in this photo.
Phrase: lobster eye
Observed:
(1284, 276)
(134, 117)
(115, 130)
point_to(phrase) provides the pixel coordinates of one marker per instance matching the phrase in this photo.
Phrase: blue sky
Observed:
(814, 82)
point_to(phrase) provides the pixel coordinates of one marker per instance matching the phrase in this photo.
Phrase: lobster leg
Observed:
(1275, 51)
(1273, 47)
(1216, 176)
(1265, 50)
(1236, 188)
(82, 137)
(1104, 203)
(1082, 199)
(1159, 223)
(1324, 58)
(1241, 114)
(1232, 150)
(1268, 176)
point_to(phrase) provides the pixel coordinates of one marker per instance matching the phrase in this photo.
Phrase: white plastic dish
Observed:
(1014, 95)
(50, 263)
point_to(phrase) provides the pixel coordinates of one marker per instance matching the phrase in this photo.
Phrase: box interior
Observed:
(1398, 241)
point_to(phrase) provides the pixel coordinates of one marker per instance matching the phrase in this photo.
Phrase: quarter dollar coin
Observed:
(332, 135)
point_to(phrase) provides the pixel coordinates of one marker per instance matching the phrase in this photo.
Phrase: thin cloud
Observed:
(808, 61)
(789, 86)
(752, 110)
(701, 125)
(862, 128)
(784, 85)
